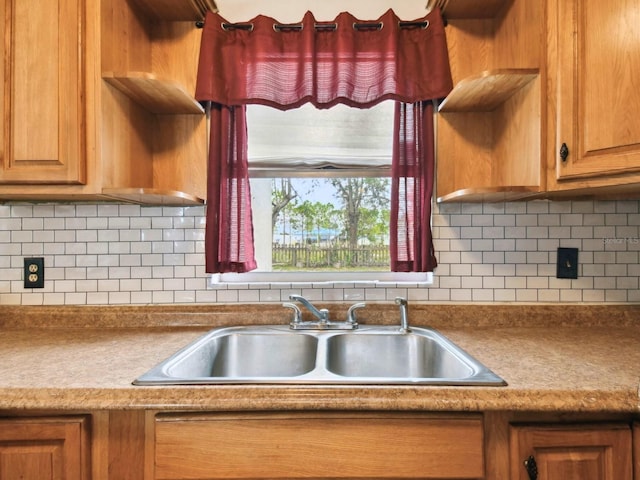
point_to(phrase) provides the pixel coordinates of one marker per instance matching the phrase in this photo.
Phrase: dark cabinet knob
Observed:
(532, 468)
(564, 152)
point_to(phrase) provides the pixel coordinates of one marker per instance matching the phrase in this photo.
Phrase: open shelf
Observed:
(176, 10)
(486, 91)
(154, 94)
(152, 196)
(489, 149)
(490, 194)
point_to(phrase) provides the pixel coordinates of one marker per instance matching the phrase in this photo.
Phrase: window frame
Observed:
(334, 278)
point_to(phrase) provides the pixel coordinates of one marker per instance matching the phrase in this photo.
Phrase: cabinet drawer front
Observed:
(331, 446)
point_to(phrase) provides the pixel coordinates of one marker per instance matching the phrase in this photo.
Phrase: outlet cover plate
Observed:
(34, 272)
(567, 263)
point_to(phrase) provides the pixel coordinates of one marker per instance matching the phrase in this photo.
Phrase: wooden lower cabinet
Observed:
(50, 448)
(318, 445)
(571, 452)
(153, 445)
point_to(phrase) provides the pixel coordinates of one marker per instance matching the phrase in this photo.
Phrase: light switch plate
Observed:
(567, 263)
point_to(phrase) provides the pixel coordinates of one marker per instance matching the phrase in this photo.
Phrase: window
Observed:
(344, 61)
(320, 183)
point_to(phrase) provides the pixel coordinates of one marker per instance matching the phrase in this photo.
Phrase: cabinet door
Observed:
(43, 117)
(587, 452)
(636, 450)
(44, 448)
(598, 97)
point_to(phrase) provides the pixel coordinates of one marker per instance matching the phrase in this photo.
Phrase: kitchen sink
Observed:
(414, 355)
(279, 355)
(247, 354)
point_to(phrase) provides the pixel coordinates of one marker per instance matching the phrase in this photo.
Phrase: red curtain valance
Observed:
(344, 61)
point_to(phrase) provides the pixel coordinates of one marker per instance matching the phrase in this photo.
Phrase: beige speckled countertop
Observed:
(555, 358)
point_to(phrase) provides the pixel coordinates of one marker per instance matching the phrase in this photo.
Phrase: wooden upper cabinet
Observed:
(565, 452)
(598, 95)
(43, 122)
(96, 101)
(51, 448)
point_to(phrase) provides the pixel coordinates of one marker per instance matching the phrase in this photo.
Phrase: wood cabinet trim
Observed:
(176, 10)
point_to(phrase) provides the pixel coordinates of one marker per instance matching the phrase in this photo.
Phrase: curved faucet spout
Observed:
(321, 314)
(351, 314)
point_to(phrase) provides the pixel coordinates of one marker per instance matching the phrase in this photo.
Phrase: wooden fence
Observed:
(311, 256)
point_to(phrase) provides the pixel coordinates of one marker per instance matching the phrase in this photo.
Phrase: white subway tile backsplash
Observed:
(109, 210)
(35, 299)
(493, 208)
(496, 252)
(97, 248)
(616, 219)
(515, 232)
(141, 247)
(87, 286)
(482, 295)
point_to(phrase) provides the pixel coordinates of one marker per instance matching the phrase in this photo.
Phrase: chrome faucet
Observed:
(404, 314)
(322, 321)
(322, 315)
(351, 313)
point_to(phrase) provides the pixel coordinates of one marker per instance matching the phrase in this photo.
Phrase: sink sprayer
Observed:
(404, 314)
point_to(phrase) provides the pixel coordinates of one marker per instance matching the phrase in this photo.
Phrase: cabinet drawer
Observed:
(319, 445)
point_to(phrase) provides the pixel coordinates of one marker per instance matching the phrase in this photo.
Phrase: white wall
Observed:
(291, 11)
(506, 252)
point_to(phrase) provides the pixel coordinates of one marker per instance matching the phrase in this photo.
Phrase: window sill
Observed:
(325, 279)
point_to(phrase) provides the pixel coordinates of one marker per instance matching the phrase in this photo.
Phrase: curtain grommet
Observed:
(329, 27)
(294, 27)
(227, 27)
(423, 25)
(368, 26)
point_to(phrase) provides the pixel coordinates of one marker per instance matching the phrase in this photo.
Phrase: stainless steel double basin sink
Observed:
(279, 355)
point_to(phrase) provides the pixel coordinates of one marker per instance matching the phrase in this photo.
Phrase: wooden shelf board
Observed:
(51, 197)
(176, 10)
(490, 194)
(486, 91)
(473, 8)
(156, 95)
(453, 9)
(151, 196)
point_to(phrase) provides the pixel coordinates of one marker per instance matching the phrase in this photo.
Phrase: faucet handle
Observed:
(351, 313)
(324, 315)
(297, 314)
